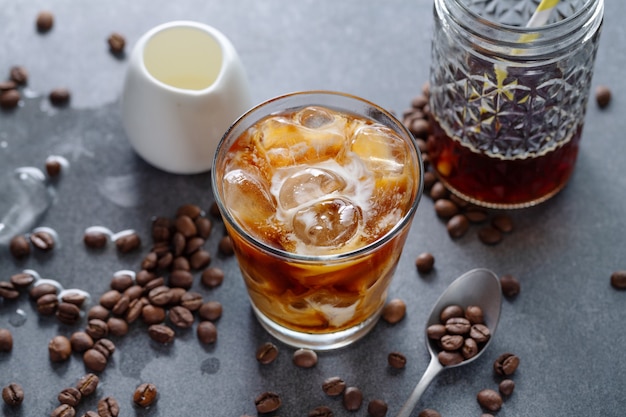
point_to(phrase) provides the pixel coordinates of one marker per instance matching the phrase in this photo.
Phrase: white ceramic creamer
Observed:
(185, 85)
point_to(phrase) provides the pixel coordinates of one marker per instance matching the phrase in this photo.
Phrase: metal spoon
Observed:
(479, 287)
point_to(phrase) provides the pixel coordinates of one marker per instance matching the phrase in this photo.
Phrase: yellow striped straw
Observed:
(542, 13)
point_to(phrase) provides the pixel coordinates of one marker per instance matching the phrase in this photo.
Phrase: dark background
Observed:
(567, 324)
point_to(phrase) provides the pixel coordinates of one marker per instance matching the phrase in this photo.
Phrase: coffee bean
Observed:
(95, 239)
(128, 243)
(226, 246)
(68, 313)
(110, 298)
(474, 314)
(98, 312)
(394, 311)
(429, 412)
(160, 296)
(267, 402)
(211, 310)
(87, 384)
(489, 235)
(145, 395)
(13, 394)
(152, 314)
(116, 42)
(181, 263)
(458, 325)
(63, 410)
(42, 240)
(425, 262)
(506, 364)
(191, 300)
(212, 277)
(206, 332)
(22, 280)
(120, 307)
(457, 226)
(165, 260)
(193, 245)
(396, 360)
(321, 411)
(377, 408)
(7, 86)
(53, 167)
(480, 333)
(333, 386)
(200, 259)
(70, 396)
(451, 342)
(45, 21)
(135, 309)
(97, 329)
(305, 358)
(445, 208)
(80, 342)
(108, 407)
(59, 348)
(19, 75)
(90, 414)
(59, 97)
(450, 311)
(104, 346)
(506, 387)
(149, 262)
(503, 222)
(438, 191)
(117, 327)
(47, 304)
(266, 353)
(76, 298)
(143, 277)
(40, 290)
(161, 333)
(8, 291)
(181, 279)
(19, 247)
(352, 398)
(603, 96)
(476, 215)
(181, 317)
(510, 285)
(449, 358)
(6, 340)
(489, 399)
(165, 293)
(95, 360)
(214, 210)
(618, 280)
(469, 348)
(9, 99)
(436, 331)
(204, 227)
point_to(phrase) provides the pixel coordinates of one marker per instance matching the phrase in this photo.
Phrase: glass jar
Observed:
(508, 101)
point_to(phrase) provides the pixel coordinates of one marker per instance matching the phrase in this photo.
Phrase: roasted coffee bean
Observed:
(87, 384)
(59, 348)
(480, 333)
(128, 243)
(80, 342)
(191, 300)
(117, 43)
(211, 310)
(179, 241)
(603, 96)
(489, 399)
(185, 226)
(469, 348)
(157, 282)
(161, 333)
(267, 353)
(304, 358)
(37, 291)
(215, 210)
(206, 332)
(181, 279)
(193, 211)
(151, 314)
(200, 259)
(13, 394)
(180, 263)
(45, 21)
(19, 247)
(42, 240)
(193, 245)
(117, 327)
(333, 386)
(618, 280)
(503, 222)
(95, 239)
(149, 261)
(267, 402)
(181, 317)
(429, 412)
(377, 408)
(47, 304)
(64, 410)
(226, 246)
(53, 167)
(476, 215)
(450, 311)
(489, 235)
(474, 314)
(145, 395)
(429, 180)
(98, 312)
(510, 285)
(9, 99)
(436, 331)
(457, 226)
(95, 360)
(352, 398)
(97, 329)
(165, 260)
(451, 342)
(120, 307)
(176, 294)
(160, 296)
(110, 298)
(445, 208)
(7, 86)
(19, 75)
(143, 277)
(104, 346)
(449, 358)
(8, 290)
(204, 226)
(425, 262)
(394, 311)
(135, 308)
(506, 364)
(321, 411)
(458, 325)
(121, 282)
(438, 191)
(6, 340)
(396, 360)
(70, 396)
(68, 313)
(212, 277)
(76, 298)
(59, 97)
(90, 414)
(506, 387)
(161, 230)
(22, 280)
(108, 407)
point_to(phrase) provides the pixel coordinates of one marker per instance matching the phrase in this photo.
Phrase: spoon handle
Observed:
(434, 367)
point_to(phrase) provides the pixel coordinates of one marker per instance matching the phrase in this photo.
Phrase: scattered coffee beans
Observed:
(603, 96)
(267, 402)
(618, 280)
(87, 384)
(377, 408)
(489, 399)
(506, 364)
(128, 243)
(45, 21)
(425, 262)
(116, 43)
(211, 310)
(95, 360)
(267, 353)
(161, 333)
(6, 340)
(510, 286)
(95, 239)
(70, 396)
(394, 311)
(333, 386)
(59, 97)
(145, 395)
(13, 394)
(212, 277)
(352, 398)
(22, 280)
(80, 342)
(59, 349)
(457, 226)
(305, 358)
(396, 360)
(207, 332)
(506, 387)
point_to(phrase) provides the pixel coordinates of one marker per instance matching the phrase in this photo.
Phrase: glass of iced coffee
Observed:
(317, 191)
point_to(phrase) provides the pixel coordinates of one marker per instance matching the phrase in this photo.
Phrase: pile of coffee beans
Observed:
(504, 367)
(460, 335)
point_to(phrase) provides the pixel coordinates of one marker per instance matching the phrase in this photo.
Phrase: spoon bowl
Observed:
(479, 287)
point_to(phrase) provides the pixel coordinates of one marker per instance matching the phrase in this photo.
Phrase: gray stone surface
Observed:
(567, 325)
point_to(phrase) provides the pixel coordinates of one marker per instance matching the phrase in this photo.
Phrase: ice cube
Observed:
(307, 185)
(247, 198)
(284, 142)
(327, 223)
(314, 117)
(380, 149)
